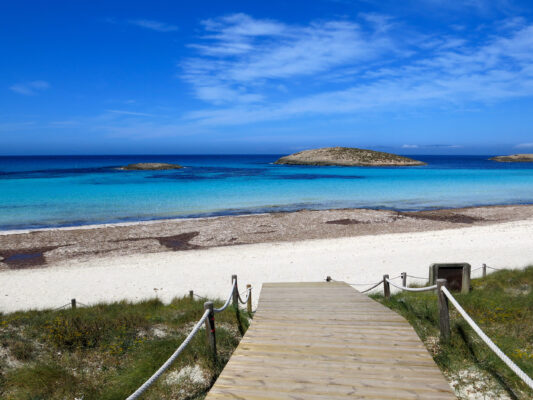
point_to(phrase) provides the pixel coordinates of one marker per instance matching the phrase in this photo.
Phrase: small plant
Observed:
(105, 352)
(22, 350)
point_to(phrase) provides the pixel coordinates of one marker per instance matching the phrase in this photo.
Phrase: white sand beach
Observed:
(208, 271)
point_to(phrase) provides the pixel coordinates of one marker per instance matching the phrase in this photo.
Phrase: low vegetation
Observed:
(502, 305)
(347, 156)
(108, 350)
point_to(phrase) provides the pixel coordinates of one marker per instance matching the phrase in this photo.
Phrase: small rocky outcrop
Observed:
(149, 167)
(514, 158)
(349, 157)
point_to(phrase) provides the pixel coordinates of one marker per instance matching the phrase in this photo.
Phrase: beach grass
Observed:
(502, 305)
(106, 351)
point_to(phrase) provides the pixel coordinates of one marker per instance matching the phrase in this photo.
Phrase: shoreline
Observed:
(48, 247)
(237, 214)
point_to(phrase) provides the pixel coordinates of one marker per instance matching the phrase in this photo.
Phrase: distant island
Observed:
(348, 157)
(514, 158)
(149, 167)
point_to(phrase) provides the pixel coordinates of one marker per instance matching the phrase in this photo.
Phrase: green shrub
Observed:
(22, 350)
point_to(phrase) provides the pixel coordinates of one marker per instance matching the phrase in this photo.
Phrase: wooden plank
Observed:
(328, 341)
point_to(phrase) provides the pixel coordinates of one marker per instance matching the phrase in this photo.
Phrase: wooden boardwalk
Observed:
(328, 341)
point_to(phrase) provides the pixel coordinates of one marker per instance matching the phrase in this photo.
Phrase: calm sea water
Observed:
(63, 191)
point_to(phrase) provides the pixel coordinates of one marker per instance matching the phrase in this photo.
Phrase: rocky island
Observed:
(149, 167)
(348, 157)
(514, 158)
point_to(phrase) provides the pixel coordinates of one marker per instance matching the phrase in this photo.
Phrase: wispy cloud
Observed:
(154, 25)
(30, 88)
(240, 57)
(135, 113)
(342, 67)
(525, 146)
(410, 146)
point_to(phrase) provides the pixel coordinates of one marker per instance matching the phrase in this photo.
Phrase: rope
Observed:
(495, 269)
(59, 308)
(348, 283)
(169, 362)
(373, 287)
(423, 289)
(362, 284)
(416, 277)
(366, 284)
(217, 310)
(248, 291)
(521, 374)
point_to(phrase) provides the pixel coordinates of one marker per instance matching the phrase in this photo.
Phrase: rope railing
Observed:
(247, 291)
(73, 304)
(515, 368)
(226, 304)
(208, 318)
(483, 269)
(372, 283)
(362, 284)
(373, 287)
(171, 359)
(404, 276)
(417, 277)
(61, 307)
(444, 318)
(409, 289)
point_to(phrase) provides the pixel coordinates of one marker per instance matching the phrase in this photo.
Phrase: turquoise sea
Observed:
(76, 190)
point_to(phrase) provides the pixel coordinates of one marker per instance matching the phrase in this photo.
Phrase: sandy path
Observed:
(208, 272)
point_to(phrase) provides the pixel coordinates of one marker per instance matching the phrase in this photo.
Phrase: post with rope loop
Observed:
(484, 270)
(386, 287)
(235, 291)
(73, 303)
(444, 311)
(210, 329)
(404, 279)
(191, 295)
(249, 301)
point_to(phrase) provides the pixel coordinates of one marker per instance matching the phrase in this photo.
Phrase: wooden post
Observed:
(210, 329)
(191, 295)
(404, 279)
(235, 291)
(444, 313)
(249, 303)
(386, 287)
(328, 278)
(73, 303)
(484, 270)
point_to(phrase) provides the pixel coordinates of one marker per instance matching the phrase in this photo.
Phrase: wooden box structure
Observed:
(457, 275)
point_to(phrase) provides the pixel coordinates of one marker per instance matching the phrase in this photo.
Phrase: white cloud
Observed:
(241, 56)
(524, 145)
(341, 67)
(410, 146)
(30, 88)
(154, 25)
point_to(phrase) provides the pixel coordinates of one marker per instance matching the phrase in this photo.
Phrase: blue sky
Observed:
(113, 77)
